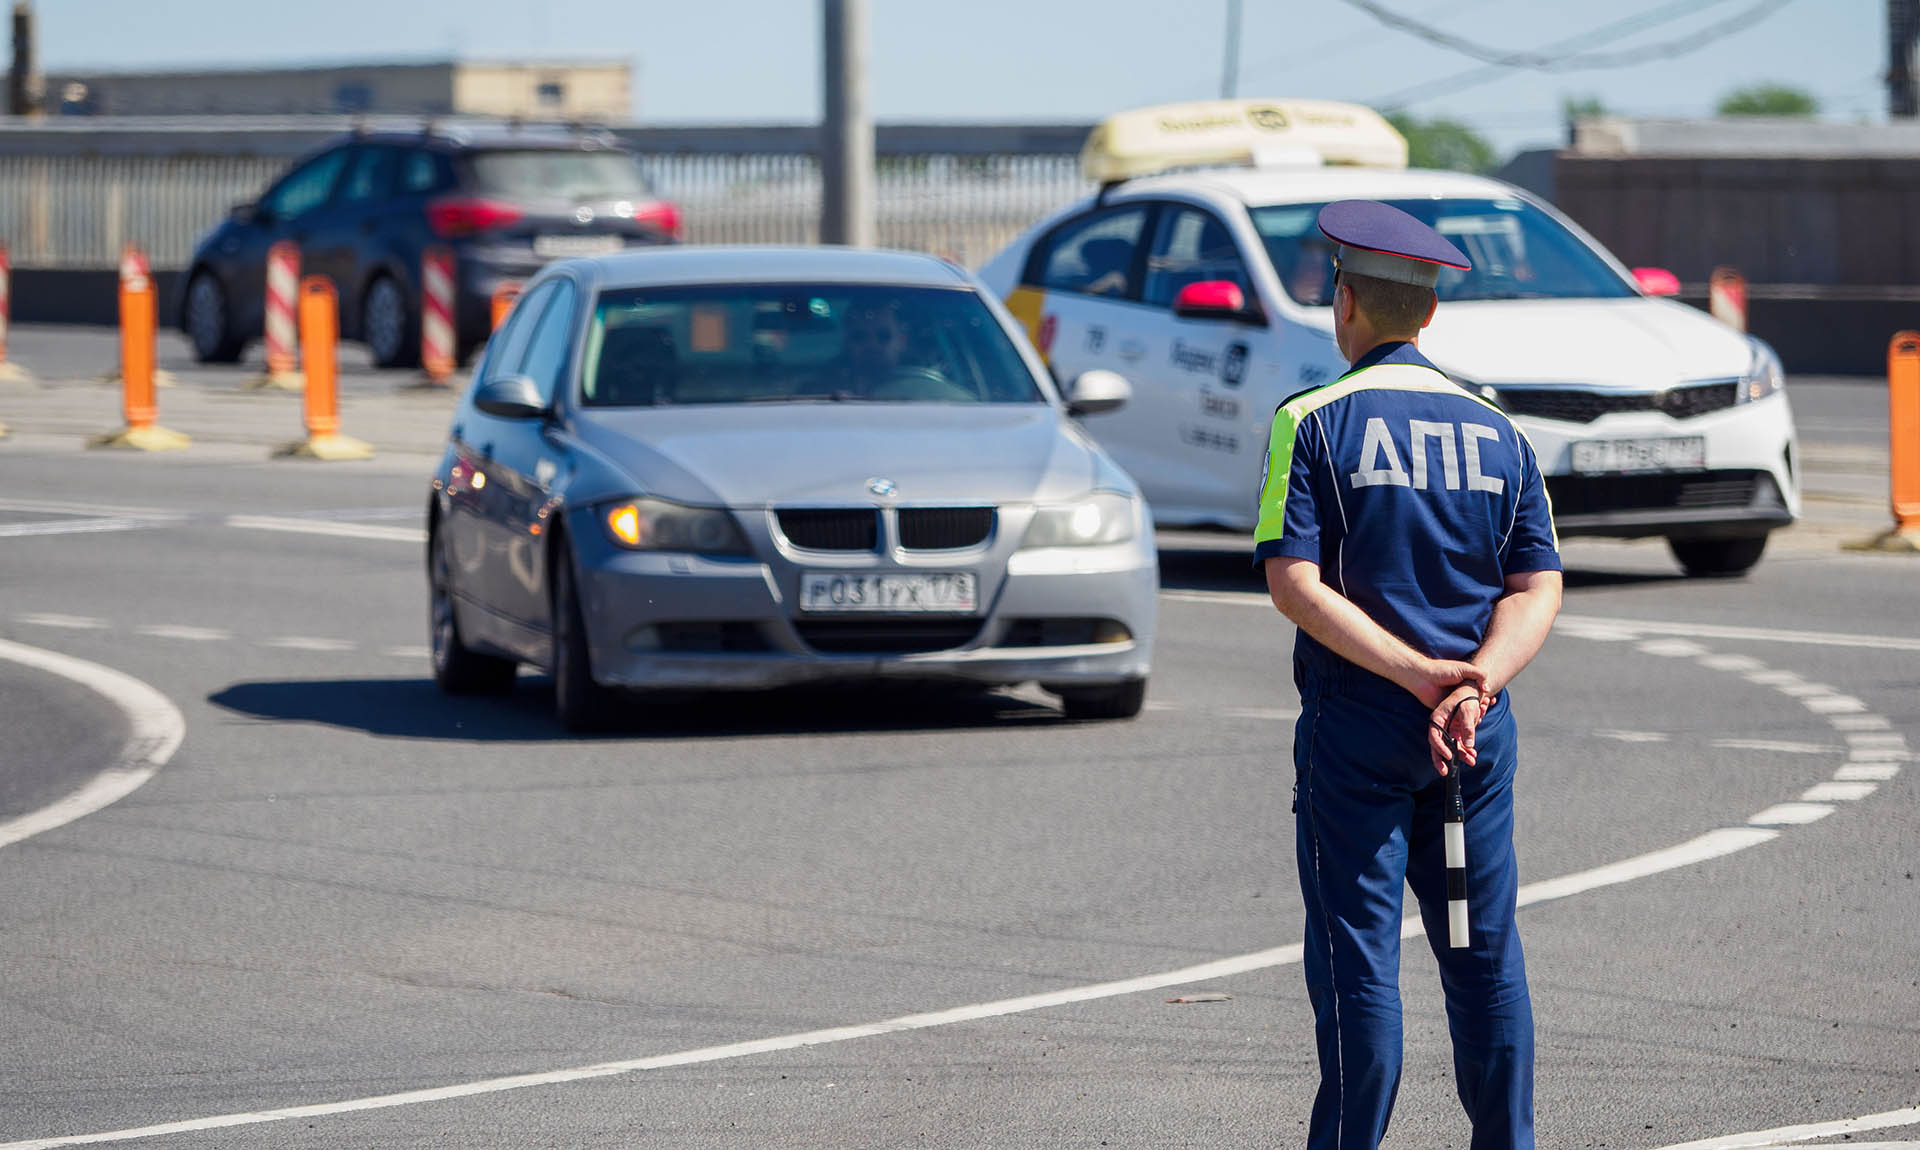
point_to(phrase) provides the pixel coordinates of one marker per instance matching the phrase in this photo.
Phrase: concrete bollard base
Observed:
(326, 449)
(161, 378)
(278, 381)
(153, 438)
(1894, 541)
(11, 372)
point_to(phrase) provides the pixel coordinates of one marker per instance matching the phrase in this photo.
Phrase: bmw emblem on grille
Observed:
(583, 214)
(881, 486)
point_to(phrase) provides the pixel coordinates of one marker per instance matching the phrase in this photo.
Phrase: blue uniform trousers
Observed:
(1368, 817)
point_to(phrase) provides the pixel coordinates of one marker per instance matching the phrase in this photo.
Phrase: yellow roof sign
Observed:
(1239, 132)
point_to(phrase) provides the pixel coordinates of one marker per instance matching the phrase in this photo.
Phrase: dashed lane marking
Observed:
(328, 527)
(1783, 746)
(179, 631)
(70, 622)
(308, 643)
(1791, 814)
(1787, 1135)
(1633, 736)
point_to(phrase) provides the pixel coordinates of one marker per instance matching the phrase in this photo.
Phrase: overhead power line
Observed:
(1556, 61)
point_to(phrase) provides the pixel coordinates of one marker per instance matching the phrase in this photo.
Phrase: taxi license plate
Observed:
(1617, 456)
(563, 247)
(894, 593)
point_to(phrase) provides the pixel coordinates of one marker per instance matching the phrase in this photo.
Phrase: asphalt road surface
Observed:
(347, 911)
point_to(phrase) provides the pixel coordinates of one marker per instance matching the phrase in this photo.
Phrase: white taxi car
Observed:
(1198, 273)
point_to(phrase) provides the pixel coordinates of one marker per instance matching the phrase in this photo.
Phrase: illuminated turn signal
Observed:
(624, 522)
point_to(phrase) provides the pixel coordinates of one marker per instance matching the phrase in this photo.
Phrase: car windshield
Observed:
(799, 343)
(1517, 252)
(552, 173)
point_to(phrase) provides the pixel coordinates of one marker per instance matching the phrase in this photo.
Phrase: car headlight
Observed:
(656, 525)
(1764, 375)
(1101, 517)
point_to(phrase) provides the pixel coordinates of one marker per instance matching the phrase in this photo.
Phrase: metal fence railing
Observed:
(76, 210)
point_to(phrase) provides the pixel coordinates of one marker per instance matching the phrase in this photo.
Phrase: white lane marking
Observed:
(180, 631)
(1874, 739)
(1785, 747)
(407, 652)
(1225, 598)
(308, 643)
(71, 527)
(156, 729)
(1731, 663)
(63, 507)
(328, 527)
(1276, 714)
(71, 622)
(1632, 736)
(1878, 754)
(1791, 814)
(1838, 792)
(1671, 648)
(1773, 678)
(1833, 704)
(1712, 845)
(1804, 690)
(1755, 634)
(1780, 1135)
(1598, 634)
(1860, 722)
(1866, 772)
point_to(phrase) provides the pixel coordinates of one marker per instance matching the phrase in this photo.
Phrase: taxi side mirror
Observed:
(1097, 391)
(1216, 299)
(1657, 281)
(513, 397)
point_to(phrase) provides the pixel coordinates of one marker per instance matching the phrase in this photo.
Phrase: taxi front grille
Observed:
(1594, 494)
(944, 528)
(831, 528)
(1577, 405)
(887, 636)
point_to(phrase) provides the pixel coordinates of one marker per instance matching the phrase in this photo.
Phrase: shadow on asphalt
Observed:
(416, 709)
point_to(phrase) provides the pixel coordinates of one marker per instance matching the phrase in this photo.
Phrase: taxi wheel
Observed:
(1120, 701)
(1708, 557)
(458, 669)
(580, 702)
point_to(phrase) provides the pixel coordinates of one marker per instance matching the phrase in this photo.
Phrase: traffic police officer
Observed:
(1405, 529)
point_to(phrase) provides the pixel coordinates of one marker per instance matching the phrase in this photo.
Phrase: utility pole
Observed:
(846, 137)
(1903, 30)
(1230, 69)
(24, 88)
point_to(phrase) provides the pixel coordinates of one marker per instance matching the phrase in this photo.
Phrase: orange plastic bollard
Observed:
(1727, 298)
(319, 350)
(10, 372)
(1903, 423)
(503, 297)
(139, 317)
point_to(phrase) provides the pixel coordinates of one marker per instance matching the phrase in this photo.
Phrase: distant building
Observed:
(533, 89)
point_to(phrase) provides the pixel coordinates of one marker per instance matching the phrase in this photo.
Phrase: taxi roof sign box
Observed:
(1243, 133)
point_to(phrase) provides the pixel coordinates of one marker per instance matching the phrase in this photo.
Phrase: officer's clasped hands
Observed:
(1458, 715)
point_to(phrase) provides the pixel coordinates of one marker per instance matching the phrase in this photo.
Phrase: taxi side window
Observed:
(1191, 246)
(1091, 255)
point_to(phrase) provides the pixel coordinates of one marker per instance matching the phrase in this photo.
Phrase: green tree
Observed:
(1443, 143)
(1769, 100)
(1581, 108)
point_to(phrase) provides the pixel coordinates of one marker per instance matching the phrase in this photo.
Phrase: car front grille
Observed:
(1590, 494)
(944, 528)
(1577, 405)
(831, 528)
(887, 636)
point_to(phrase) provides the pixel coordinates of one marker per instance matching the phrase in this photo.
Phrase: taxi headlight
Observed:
(1764, 375)
(656, 525)
(1101, 517)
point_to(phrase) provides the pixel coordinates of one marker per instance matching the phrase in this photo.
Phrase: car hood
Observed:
(763, 454)
(1632, 344)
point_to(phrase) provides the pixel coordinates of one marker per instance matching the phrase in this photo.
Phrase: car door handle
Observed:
(1132, 349)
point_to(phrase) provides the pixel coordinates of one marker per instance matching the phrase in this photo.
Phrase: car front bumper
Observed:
(641, 610)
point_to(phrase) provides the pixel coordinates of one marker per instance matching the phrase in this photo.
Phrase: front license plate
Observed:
(894, 593)
(565, 247)
(1617, 456)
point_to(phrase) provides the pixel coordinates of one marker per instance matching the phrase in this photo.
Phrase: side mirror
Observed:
(514, 397)
(1096, 391)
(249, 212)
(1657, 281)
(1216, 299)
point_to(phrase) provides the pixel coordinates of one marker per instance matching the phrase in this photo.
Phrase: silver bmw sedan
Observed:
(745, 468)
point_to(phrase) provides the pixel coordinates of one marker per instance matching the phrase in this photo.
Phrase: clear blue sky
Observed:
(973, 60)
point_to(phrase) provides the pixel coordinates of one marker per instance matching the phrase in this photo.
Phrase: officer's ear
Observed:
(1433, 305)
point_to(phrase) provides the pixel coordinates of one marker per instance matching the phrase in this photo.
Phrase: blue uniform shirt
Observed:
(1416, 498)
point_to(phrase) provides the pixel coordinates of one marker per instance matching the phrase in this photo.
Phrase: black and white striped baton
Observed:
(1454, 827)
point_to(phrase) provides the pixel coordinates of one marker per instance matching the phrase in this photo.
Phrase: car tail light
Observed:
(661, 216)
(455, 216)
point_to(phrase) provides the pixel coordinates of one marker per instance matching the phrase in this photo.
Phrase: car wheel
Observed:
(386, 325)
(1705, 557)
(580, 702)
(1119, 701)
(458, 669)
(208, 321)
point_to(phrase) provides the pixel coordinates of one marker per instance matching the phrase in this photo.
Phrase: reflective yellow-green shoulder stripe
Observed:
(1273, 486)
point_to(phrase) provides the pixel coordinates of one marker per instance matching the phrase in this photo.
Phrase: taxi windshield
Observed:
(799, 343)
(1517, 252)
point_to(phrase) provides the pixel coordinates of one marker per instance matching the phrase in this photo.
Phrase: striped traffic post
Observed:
(283, 290)
(10, 372)
(319, 308)
(436, 314)
(1727, 298)
(139, 319)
